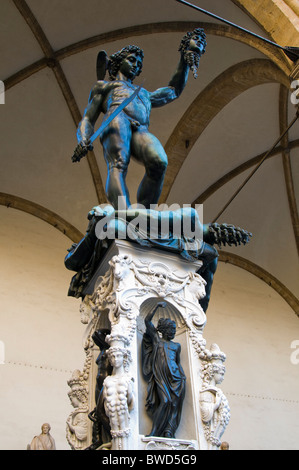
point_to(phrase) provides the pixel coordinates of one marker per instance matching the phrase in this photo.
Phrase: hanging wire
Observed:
(257, 167)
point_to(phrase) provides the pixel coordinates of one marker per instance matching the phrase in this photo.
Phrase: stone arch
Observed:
(221, 91)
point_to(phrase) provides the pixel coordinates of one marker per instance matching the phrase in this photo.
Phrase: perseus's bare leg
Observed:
(116, 143)
(147, 149)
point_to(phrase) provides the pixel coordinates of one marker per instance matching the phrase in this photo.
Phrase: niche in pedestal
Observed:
(187, 426)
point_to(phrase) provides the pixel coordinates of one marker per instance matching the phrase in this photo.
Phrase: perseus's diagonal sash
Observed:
(82, 148)
(114, 114)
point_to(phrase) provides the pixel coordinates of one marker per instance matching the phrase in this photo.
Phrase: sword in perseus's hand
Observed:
(83, 148)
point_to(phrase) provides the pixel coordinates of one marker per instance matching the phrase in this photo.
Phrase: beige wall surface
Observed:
(255, 327)
(42, 334)
(40, 328)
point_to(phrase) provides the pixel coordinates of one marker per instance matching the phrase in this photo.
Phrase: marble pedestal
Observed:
(128, 283)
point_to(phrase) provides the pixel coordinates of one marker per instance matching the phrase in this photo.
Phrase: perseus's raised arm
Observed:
(192, 47)
(175, 87)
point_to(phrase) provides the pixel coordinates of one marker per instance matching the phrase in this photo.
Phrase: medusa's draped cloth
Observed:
(166, 382)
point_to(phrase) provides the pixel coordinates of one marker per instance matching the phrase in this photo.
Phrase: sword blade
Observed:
(114, 114)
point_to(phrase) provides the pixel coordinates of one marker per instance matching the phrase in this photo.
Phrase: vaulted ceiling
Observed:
(215, 135)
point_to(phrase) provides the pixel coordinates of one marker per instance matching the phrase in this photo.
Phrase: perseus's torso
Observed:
(117, 91)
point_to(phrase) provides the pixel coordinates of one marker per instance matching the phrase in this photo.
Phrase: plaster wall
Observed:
(40, 328)
(255, 327)
(42, 336)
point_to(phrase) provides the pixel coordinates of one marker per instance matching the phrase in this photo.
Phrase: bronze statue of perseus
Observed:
(127, 135)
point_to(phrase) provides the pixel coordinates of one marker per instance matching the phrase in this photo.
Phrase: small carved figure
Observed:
(164, 374)
(122, 270)
(77, 422)
(118, 397)
(44, 441)
(215, 411)
(101, 426)
(127, 134)
(224, 446)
